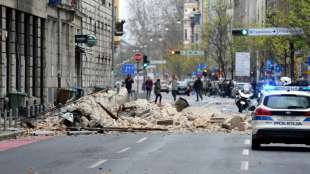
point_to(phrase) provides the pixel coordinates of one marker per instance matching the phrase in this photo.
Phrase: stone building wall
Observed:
(22, 48)
(97, 61)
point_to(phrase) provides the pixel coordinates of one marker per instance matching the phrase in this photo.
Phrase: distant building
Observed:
(249, 12)
(193, 23)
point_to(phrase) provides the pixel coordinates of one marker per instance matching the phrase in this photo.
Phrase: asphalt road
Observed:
(162, 153)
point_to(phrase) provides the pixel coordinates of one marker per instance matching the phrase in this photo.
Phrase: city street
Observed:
(153, 153)
(79, 79)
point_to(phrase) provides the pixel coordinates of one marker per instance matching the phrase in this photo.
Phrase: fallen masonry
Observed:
(108, 111)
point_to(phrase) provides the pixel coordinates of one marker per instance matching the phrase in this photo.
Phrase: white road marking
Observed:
(245, 152)
(124, 150)
(97, 164)
(247, 142)
(244, 165)
(141, 140)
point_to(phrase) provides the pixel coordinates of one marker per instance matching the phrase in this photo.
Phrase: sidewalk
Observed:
(10, 133)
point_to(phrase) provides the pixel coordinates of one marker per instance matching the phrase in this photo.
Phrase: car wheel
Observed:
(255, 144)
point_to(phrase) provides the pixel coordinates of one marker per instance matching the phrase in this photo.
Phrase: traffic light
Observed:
(240, 32)
(146, 62)
(205, 72)
(175, 52)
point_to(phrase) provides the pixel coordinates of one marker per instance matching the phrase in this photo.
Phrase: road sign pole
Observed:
(137, 78)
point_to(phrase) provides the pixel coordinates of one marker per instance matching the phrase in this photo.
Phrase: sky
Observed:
(124, 12)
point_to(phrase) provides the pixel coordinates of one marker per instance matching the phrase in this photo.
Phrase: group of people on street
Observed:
(149, 86)
(157, 89)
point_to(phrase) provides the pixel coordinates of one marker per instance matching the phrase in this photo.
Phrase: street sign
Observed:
(158, 62)
(242, 64)
(90, 40)
(201, 67)
(274, 31)
(269, 65)
(192, 52)
(80, 38)
(138, 57)
(278, 68)
(128, 69)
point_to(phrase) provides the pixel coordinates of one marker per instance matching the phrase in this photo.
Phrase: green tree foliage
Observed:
(299, 16)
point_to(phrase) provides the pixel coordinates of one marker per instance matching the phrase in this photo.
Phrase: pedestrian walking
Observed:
(148, 86)
(174, 87)
(198, 88)
(157, 90)
(128, 84)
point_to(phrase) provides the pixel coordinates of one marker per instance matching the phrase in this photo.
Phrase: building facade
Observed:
(193, 23)
(23, 48)
(249, 13)
(39, 53)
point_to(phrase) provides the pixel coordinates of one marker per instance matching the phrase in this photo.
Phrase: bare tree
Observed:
(218, 35)
(154, 24)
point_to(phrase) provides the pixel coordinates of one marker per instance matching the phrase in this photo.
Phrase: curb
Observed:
(11, 135)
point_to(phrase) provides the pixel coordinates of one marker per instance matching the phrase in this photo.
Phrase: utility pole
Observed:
(112, 43)
(285, 62)
(59, 49)
(292, 63)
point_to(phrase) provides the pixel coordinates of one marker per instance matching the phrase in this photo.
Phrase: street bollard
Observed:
(28, 112)
(5, 118)
(16, 117)
(10, 117)
(31, 111)
(40, 108)
(36, 110)
(1, 116)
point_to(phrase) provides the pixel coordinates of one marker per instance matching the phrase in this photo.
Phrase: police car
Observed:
(282, 116)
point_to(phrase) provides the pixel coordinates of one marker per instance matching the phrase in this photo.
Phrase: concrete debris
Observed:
(180, 104)
(81, 132)
(42, 133)
(109, 111)
(68, 116)
(236, 123)
(165, 122)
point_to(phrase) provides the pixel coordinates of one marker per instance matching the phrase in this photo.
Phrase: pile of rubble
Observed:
(110, 111)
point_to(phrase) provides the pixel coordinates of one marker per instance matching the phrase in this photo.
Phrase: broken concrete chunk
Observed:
(42, 133)
(181, 104)
(84, 122)
(165, 122)
(68, 116)
(200, 122)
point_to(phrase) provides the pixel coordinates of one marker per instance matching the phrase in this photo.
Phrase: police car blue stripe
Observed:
(307, 119)
(262, 118)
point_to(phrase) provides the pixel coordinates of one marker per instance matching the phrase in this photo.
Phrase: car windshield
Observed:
(287, 102)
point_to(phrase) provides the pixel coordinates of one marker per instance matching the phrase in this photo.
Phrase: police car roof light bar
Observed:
(286, 88)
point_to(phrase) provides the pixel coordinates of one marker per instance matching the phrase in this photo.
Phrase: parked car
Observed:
(165, 87)
(183, 88)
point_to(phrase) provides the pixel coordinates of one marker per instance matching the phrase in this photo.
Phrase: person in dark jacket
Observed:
(128, 84)
(198, 86)
(148, 86)
(157, 90)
